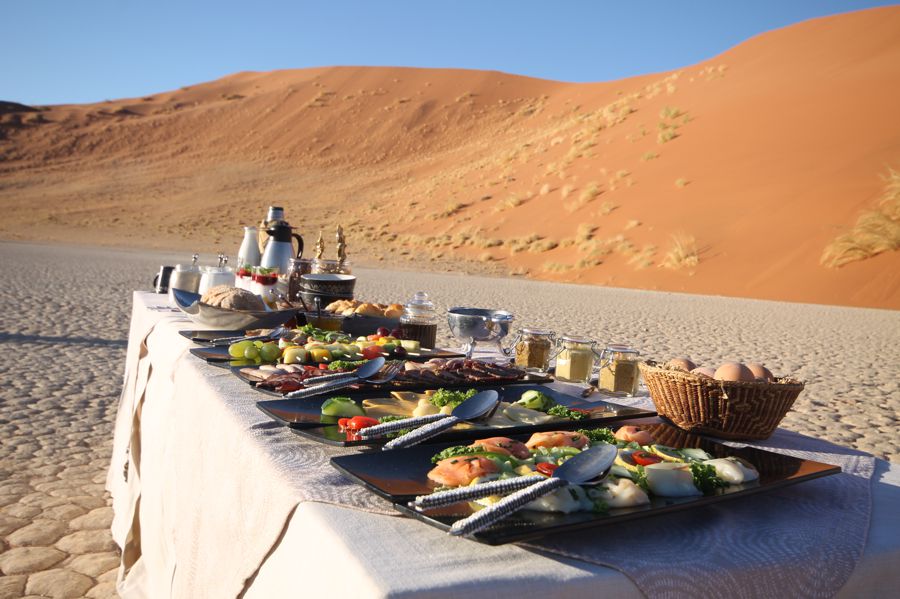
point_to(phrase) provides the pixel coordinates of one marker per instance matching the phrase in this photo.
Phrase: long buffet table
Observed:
(213, 499)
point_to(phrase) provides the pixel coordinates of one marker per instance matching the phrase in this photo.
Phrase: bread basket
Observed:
(725, 409)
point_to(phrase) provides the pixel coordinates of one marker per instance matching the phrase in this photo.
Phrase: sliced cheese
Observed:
(734, 471)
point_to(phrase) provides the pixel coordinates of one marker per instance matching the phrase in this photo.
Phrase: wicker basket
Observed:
(724, 409)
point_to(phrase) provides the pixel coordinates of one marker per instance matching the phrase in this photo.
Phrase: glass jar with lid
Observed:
(619, 373)
(419, 321)
(575, 360)
(533, 349)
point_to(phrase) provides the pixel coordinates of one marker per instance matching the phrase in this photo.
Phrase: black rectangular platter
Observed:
(400, 475)
(366, 390)
(304, 417)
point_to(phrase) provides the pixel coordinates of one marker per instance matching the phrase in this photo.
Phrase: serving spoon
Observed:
(473, 408)
(589, 467)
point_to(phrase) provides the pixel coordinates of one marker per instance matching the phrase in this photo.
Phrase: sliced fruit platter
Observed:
(438, 372)
(646, 478)
(338, 419)
(310, 345)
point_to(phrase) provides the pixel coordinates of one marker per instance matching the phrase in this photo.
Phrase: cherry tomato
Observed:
(373, 351)
(342, 423)
(397, 334)
(546, 468)
(383, 331)
(645, 458)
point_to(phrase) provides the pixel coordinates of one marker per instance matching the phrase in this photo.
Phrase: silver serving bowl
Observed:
(471, 325)
(224, 319)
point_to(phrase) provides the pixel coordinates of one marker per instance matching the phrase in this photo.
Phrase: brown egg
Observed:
(682, 363)
(704, 371)
(761, 372)
(733, 371)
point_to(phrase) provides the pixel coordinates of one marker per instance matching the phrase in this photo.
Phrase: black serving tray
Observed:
(364, 389)
(400, 475)
(304, 416)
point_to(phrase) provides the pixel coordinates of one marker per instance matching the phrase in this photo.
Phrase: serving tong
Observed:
(590, 467)
(273, 334)
(477, 406)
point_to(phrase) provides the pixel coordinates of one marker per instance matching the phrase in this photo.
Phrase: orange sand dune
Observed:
(755, 160)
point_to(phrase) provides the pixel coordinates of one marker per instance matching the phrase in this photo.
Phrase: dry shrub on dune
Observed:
(683, 253)
(875, 231)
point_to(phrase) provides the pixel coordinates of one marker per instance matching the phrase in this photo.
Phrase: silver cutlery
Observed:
(473, 408)
(590, 466)
(273, 334)
(370, 372)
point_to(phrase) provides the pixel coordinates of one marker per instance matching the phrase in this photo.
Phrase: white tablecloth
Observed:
(210, 508)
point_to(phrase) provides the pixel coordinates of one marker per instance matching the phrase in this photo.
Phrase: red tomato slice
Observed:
(360, 422)
(645, 458)
(373, 351)
(546, 468)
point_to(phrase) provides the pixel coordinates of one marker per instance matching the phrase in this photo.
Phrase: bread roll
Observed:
(395, 307)
(232, 298)
(393, 313)
(369, 310)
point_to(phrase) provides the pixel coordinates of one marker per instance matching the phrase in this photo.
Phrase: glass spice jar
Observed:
(619, 373)
(534, 348)
(575, 361)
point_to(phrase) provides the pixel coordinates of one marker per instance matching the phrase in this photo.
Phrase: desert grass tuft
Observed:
(556, 267)
(606, 208)
(585, 232)
(875, 232)
(642, 258)
(542, 245)
(587, 195)
(681, 183)
(682, 254)
(666, 135)
(450, 210)
(670, 112)
(520, 244)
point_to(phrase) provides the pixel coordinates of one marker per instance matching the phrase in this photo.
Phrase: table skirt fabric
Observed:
(218, 501)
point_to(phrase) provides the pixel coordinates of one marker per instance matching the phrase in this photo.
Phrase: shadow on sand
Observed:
(89, 341)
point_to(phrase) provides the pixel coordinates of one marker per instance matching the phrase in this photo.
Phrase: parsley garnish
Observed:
(705, 478)
(561, 411)
(598, 435)
(448, 397)
(640, 478)
(456, 450)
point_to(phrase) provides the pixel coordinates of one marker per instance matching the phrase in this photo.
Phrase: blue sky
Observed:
(68, 51)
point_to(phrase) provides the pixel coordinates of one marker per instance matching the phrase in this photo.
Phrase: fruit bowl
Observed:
(225, 319)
